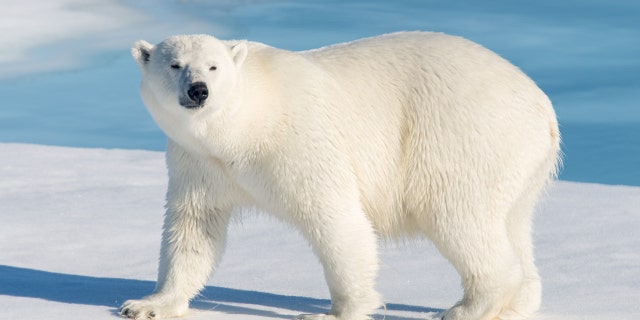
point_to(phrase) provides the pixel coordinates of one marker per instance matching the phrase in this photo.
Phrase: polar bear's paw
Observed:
(151, 309)
(140, 309)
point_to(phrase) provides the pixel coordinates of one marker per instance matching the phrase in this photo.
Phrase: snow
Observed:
(81, 229)
(80, 225)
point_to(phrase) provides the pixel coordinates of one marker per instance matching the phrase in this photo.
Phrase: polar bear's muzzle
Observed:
(197, 94)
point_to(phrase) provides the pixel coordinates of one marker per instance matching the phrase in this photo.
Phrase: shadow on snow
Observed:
(111, 292)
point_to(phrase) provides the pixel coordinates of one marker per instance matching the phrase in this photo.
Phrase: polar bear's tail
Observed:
(556, 151)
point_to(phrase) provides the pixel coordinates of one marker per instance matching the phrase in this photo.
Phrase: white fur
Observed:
(398, 135)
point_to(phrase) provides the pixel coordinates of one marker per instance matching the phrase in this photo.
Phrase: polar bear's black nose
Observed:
(198, 92)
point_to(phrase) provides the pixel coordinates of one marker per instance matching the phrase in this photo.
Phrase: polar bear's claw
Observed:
(138, 311)
(128, 313)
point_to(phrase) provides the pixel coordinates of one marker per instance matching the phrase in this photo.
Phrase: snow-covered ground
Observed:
(80, 227)
(80, 234)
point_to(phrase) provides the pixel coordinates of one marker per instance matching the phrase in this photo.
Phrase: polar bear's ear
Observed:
(141, 51)
(239, 53)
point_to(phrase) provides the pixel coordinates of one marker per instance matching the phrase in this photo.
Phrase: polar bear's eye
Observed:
(213, 68)
(175, 66)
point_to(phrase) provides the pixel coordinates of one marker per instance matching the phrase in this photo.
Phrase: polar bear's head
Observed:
(188, 73)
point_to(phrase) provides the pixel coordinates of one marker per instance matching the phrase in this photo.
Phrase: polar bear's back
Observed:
(405, 63)
(428, 112)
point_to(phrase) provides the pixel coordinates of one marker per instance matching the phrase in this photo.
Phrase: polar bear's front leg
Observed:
(192, 243)
(346, 244)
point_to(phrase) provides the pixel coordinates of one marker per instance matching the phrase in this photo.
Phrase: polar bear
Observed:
(401, 135)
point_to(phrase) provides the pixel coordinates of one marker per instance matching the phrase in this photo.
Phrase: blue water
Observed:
(584, 54)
